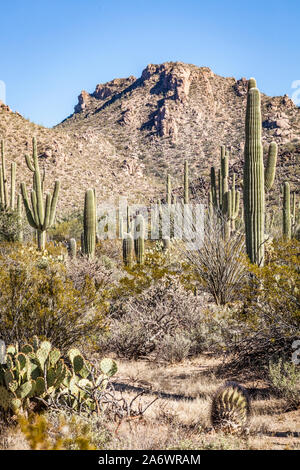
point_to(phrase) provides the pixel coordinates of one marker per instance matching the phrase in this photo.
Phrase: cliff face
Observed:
(177, 111)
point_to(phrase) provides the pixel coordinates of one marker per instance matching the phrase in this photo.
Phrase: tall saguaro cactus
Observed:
(127, 249)
(40, 215)
(186, 183)
(7, 199)
(89, 223)
(254, 191)
(286, 212)
(139, 242)
(169, 190)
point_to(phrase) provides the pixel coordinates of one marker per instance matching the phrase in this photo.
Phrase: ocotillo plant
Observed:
(139, 239)
(254, 192)
(286, 212)
(89, 223)
(7, 201)
(40, 215)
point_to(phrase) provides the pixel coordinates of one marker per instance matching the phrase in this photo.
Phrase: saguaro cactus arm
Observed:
(271, 166)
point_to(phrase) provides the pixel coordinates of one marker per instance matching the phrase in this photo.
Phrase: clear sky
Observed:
(51, 50)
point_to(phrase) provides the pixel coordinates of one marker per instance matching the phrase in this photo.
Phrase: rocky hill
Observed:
(124, 137)
(177, 111)
(79, 159)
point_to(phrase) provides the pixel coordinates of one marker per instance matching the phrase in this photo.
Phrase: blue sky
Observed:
(51, 50)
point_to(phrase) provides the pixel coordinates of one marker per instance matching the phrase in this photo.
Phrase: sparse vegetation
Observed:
(174, 321)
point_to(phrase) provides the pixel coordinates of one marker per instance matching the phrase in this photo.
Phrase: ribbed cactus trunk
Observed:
(186, 183)
(139, 236)
(254, 194)
(271, 166)
(89, 223)
(41, 239)
(169, 190)
(286, 215)
(127, 249)
(72, 248)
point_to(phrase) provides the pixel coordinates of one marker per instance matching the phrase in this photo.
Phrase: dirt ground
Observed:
(180, 417)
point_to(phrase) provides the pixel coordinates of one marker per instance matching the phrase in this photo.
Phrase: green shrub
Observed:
(284, 377)
(38, 297)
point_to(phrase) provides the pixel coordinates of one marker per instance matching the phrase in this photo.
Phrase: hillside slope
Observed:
(79, 159)
(177, 111)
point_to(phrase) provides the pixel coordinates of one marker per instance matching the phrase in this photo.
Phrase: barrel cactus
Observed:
(230, 409)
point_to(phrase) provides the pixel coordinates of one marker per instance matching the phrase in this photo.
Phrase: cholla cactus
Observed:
(230, 410)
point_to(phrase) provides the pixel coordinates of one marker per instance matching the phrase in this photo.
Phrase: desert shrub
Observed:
(38, 297)
(139, 278)
(68, 227)
(284, 377)
(174, 348)
(269, 317)
(218, 265)
(144, 323)
(10, 225)
(60, 431)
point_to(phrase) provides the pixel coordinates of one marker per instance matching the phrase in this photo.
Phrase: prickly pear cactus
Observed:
(230, 410)
(37, 370)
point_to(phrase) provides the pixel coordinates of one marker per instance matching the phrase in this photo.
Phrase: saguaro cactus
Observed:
(127, 249)
(169, 190)
(7, 201)
(139, 241)
(230, 207)
(254, 193)
(218, 191)
(286, 212)
(186, 183)
(89, 223)
(40, 216)
(72, 248)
